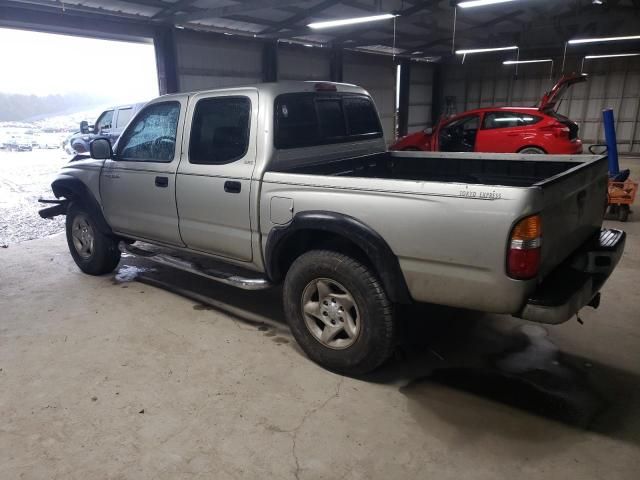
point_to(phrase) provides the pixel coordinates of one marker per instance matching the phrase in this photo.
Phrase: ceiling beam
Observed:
(300, 16)
(493, 21)
(171, 8)
(240, 8)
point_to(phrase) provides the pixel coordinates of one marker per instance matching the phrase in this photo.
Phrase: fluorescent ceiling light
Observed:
(350, 21)
(516, 62)
(588, 57)
(480, 3)
(483, 50)
(603, 39)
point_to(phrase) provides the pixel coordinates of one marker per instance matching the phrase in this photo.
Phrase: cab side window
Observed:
(220, 130)
(151, 136)
(104, 122)
(508, 120)
(124, 115)
(459, 135)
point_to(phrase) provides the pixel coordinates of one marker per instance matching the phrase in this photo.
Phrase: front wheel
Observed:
(94, 252)
(339, 312)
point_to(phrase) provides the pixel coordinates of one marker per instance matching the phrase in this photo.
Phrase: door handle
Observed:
(232, 187)
(162, 182)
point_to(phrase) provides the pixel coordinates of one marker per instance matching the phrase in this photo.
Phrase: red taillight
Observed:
(558, 130)
(523, 258)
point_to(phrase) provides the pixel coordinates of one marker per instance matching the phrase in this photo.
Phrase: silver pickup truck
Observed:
(292, 183)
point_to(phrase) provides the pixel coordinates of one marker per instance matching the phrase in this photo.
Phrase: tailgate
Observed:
(572, 210)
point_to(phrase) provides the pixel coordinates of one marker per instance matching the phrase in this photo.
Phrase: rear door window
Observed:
(308, 119)
(220, 130)
(124, 115)
(508, 120)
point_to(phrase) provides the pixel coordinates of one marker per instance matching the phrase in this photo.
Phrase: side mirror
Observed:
(100, 149)
(84, 127)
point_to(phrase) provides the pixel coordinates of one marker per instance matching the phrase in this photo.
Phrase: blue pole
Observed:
(610, 137)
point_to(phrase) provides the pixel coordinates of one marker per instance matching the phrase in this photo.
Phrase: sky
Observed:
(43, 64)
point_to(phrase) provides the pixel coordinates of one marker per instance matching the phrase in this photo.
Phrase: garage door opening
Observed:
(50, 83)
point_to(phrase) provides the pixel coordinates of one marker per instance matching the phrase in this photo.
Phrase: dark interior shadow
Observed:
(453, 362)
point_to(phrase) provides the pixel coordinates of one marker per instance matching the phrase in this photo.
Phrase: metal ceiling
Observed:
(422, 30)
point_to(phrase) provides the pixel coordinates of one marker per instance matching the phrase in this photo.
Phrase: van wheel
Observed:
(93, 252)
(339, 312)
(623, 213)
(534, 150)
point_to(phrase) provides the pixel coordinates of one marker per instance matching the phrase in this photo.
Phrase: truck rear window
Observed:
(308, 119)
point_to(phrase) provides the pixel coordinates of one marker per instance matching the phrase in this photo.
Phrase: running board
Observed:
(204, 267)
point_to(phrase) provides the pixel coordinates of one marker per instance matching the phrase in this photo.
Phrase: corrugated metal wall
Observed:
(612, 83)
(377, 74)
(297, 62)
(215, 61)
(421, 83)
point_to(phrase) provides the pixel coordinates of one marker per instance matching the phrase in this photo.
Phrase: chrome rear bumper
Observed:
(576, 283)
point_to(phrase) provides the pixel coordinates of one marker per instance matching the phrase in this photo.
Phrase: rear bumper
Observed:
(576, 282)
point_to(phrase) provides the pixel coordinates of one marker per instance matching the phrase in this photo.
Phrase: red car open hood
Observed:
(553, 96)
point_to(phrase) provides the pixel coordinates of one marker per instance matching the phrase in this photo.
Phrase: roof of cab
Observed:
(276, 88)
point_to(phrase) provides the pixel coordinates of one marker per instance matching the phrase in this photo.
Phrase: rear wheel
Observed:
(532, 150)
(338, 312)
(623, 213)
(93, 252)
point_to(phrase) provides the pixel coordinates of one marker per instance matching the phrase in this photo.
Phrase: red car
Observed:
(504, 129)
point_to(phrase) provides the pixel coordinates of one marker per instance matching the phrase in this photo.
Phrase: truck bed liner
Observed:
(520, 171)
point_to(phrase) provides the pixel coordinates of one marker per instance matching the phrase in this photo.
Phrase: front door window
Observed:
(459, 135)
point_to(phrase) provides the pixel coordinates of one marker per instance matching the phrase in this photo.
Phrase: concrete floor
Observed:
(157, 374)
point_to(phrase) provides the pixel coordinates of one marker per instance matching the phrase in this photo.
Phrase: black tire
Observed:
(532, 151)
(623, 213)
(377, 329)
(102, 256)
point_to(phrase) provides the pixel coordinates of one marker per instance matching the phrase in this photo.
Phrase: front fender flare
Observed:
(77, 192)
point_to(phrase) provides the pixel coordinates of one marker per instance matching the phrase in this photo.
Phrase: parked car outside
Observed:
(23, 144)
(110, 125)
(538, 129)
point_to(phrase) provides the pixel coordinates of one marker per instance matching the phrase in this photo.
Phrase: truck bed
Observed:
(480, 169)
(448, 216)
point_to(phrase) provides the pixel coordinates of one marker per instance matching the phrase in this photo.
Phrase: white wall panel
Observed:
(377, 74)
(296, 62)
(216, 61)
(421, 83)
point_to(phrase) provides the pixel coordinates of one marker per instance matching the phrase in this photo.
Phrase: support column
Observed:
(336, 64)
(164, 42)
(270, 61)
(403, 103)
(437, 95)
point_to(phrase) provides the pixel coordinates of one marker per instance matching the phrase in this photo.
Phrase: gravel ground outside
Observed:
(25, 177)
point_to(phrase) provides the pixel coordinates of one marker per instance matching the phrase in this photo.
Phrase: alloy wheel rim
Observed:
(82, 236)
(330, 313)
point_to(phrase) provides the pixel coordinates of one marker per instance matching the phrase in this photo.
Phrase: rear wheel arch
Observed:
(337, 232)
(532, 147)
